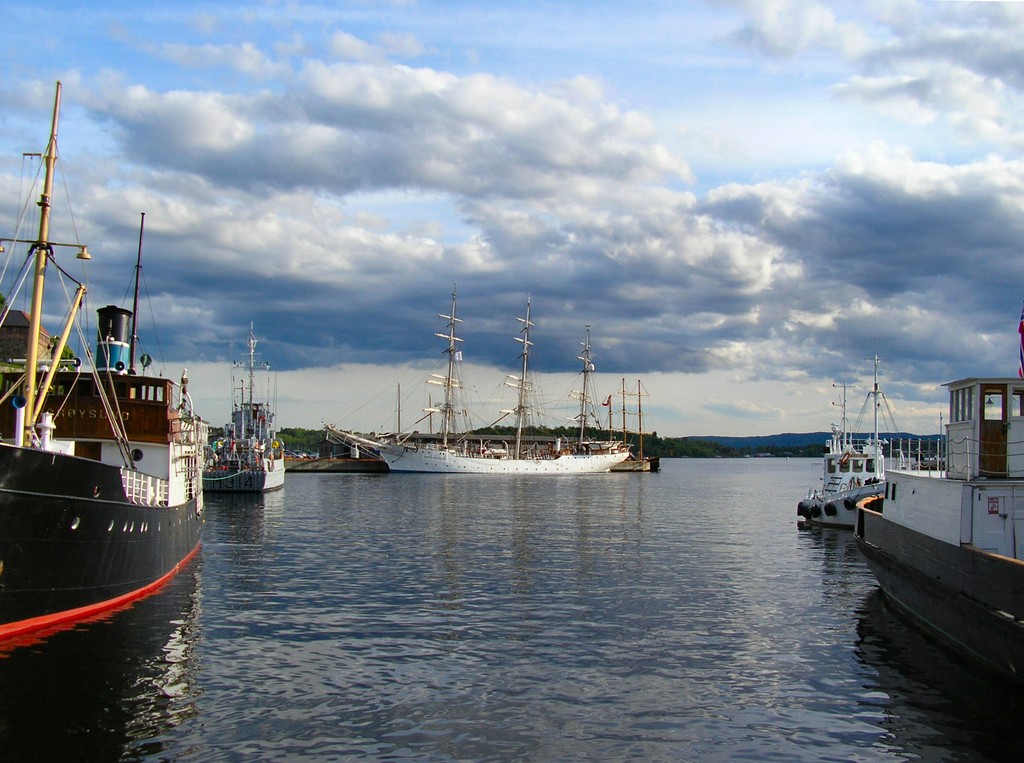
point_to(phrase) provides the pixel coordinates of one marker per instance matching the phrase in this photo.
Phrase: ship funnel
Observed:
(112, 346)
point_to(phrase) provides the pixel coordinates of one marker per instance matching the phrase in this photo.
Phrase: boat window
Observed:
(956, 406)
(831, 466)
(149, 392)
(858, 464)
(993, 408)
(1017, 403)
(844, 468)
(870, 465)
(961, 405)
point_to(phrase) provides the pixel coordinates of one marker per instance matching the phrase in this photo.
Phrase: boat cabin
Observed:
(985, 433)
(851, 466)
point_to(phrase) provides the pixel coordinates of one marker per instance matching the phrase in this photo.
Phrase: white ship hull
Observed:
(402, 458)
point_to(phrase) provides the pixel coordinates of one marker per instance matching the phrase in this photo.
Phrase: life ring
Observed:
(845, 459)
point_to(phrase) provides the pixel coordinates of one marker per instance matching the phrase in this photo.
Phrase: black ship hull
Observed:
(971, 600)
(72, 545)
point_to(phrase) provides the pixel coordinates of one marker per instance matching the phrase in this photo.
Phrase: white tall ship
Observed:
(248, 457)
(455, 452)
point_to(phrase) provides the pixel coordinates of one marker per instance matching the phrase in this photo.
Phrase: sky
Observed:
(744, 203)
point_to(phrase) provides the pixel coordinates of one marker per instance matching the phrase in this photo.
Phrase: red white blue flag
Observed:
(1020, 330)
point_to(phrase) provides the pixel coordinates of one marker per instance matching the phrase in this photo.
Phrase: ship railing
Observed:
(144, 489)
(974, 458)
(189, 435)
(917, 454)
(862, 444)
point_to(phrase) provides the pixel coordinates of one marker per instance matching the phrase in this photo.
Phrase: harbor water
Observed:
(677, 616)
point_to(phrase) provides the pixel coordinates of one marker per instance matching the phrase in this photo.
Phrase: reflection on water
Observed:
(670, 616)
(108, 689)
(932, 704)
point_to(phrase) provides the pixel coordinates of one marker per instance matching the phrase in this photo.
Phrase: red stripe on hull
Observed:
(57, 621)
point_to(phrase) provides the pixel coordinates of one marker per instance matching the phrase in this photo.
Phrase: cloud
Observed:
(330, 176)
(786, 28)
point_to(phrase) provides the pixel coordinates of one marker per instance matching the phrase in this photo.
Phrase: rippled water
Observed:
(679, 616)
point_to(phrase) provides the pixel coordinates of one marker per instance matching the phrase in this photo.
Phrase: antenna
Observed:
(135, 303)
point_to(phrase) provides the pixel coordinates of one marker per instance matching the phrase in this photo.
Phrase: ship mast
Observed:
(845, 436)
(625, 431)
(521, 404)
(135, 301)
(252, 362)
(588, 368)
(875, 392)
(43, 251)
(450, 380)
(640, 416)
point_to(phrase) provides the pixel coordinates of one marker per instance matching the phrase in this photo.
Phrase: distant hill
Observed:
(796, 439)
(798, 444)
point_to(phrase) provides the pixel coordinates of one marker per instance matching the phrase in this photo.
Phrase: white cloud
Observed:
(293, 174)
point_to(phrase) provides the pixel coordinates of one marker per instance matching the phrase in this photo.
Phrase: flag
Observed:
(1020, 330)
(609, 400)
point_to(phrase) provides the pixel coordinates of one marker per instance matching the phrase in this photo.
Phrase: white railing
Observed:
(144, 489)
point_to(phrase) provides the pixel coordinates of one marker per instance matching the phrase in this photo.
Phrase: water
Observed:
(679, 616)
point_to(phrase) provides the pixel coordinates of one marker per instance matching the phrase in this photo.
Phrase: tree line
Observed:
(309, 440)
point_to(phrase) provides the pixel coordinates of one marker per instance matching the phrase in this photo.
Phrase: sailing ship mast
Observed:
(640, 417)
(625, 429)
(639, 414)
(521, 406)
(588, 368)
(450, 381)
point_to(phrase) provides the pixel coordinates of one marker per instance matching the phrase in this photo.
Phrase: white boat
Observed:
(248, 457)
(455, 452)
(853, 468)
(947, 547)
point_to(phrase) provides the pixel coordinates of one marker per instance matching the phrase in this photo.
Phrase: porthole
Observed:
(110, 526)
(75, 523)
